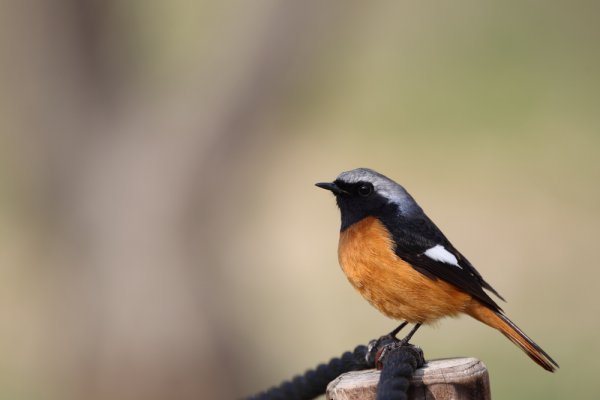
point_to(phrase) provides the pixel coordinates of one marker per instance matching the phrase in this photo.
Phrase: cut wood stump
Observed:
(453, 378)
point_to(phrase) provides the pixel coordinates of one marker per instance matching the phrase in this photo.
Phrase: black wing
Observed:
(415, 235)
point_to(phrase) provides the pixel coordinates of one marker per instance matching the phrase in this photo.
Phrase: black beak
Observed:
(332, 187)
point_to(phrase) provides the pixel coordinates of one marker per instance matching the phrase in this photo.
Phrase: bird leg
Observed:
(410, 334)
(397, 329)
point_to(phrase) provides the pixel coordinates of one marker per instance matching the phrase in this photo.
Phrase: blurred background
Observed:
(161, 235)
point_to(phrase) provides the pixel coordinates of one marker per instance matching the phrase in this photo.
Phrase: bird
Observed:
(403, 264)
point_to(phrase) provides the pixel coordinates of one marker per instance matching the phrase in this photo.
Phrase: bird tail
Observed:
(499, 321)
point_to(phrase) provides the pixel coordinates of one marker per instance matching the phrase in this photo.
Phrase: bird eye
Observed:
(365, 189)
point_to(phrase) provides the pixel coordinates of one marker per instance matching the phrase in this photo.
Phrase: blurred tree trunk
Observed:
(127, 185)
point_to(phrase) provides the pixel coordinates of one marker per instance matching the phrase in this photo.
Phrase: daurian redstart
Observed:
(396, 257)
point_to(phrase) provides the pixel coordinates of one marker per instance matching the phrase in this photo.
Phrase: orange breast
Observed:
(392, 286)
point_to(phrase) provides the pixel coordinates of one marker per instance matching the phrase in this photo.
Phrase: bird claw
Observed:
(375, 346)
(379, 349)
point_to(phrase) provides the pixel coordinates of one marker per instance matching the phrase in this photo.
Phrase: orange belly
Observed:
(391, 285)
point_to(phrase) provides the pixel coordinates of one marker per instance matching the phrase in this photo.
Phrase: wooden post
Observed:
(453, 378)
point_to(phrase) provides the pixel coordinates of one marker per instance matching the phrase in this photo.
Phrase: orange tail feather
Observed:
(499, 321)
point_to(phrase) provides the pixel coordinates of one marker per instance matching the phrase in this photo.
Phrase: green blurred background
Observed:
(161, 234)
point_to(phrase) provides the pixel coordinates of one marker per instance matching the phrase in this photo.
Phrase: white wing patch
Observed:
(439, 253)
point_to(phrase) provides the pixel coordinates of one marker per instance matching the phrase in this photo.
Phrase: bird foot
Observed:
(379, 349)
(375, 346)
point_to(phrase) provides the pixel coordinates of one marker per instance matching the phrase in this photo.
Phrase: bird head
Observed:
(362, 192)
